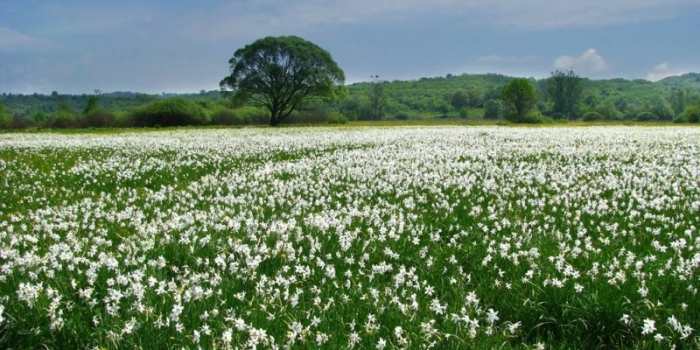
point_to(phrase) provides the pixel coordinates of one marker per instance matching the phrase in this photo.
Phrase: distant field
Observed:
(445, 237)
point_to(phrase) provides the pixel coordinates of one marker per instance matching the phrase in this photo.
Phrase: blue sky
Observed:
(151, 46)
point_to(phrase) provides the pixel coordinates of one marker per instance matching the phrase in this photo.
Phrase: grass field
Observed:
(444, 237)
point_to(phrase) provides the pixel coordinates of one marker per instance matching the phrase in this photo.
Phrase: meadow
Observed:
(414, 237)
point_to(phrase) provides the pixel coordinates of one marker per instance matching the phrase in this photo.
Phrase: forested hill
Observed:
(423, 97)
(429, 94)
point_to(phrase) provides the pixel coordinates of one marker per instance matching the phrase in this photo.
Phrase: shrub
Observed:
(463, 113)
(252, 115)
(100, 118)
(337, 118)
(533, 116)
(692, 114)
(680, 118)
(4, 119)
(558, 116)
(61, 119)
(592, 116)
(646, 116)
(493, 109)
(39, 117)
(401, 116)
(169, 112)
(226, 116)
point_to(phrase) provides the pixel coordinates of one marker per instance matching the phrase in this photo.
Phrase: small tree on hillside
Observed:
(376, 98)
(459, 100)
(520, 95)
(493, 109)
(564, 88)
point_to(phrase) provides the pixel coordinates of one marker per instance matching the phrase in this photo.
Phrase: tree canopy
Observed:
(280, 73)
(564, 89)
(520, 94)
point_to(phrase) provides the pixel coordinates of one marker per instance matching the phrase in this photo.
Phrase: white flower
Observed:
(381, 343)
(625, 319)
(491, 316)
(649, 326)
(658, 337)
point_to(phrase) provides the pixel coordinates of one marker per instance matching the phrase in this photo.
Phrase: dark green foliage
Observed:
(63, 117)
(38, 117)
(4, 119)
(459, 100)
(280, 73)
(377, 99)
(679, 99)
(169, 112)
(691, 114)
(401, 116)
(336, 118)
(661, 109)
(493, 109)
(609, 111)
(91, 104)
(532, 116)
(564, 89)
(463, 113)
(520, 96)
(592, 116)
(239, 116)
(100, 118)
(646, 116)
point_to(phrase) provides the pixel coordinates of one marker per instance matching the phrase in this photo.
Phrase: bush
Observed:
(169, 112)
(337, 118)
(680, 118)
(692, 114)
(4, 119)
(225, 116)
(493, 109)
(401, 116)
(463, 113)
(38, 117)
(592, 116)
(558, 116)
(646, 116)
(253, 115)
(532, 116)
(61, 119)
(100, 118)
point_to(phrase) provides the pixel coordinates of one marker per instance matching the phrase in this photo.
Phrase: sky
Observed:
(79, 46)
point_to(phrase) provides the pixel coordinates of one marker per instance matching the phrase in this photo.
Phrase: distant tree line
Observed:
(562, 96)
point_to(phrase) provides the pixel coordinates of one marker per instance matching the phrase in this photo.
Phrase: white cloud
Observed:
(14, 41)
(589, 62)
(662, 70)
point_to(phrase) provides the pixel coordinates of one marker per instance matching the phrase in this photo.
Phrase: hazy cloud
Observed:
(661, 71)
(589, 62)
(14, 41)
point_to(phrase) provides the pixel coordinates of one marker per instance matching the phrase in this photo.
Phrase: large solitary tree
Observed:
(280, 73)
